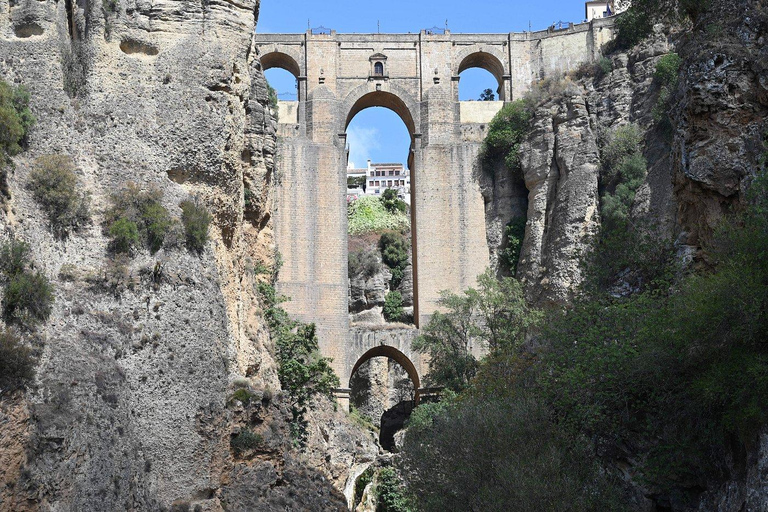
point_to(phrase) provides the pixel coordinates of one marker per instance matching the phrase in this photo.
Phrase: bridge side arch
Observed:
(391, 353)
(491, 61)
(276, 57)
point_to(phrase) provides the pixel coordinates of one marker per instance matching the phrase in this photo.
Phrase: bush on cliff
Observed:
(137, 216)
(28, 295)
(15, 121)
(55, 187)
(16, 362)
(506, 132)
(303, 372)
(196, 221)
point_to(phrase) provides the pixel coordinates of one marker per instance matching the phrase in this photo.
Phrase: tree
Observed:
(487, 95)
(495, 315)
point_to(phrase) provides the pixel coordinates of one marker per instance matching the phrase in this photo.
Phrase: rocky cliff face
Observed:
(131, 407)
(697, 172)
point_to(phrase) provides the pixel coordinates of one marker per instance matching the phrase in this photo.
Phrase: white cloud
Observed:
(362, 142)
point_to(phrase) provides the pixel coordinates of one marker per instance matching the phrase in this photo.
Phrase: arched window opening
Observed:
(380, 257)
(476, 84)
(382, 392)
(481, 77)
(378, 69)
(281, 72)
(283, 82)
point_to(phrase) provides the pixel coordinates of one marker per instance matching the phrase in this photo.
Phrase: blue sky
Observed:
(378, 133)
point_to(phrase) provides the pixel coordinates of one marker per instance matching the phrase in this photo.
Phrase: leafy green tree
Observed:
(394, 253)
(501, 453)
(495, 315)
(487, 95)
(390, 493)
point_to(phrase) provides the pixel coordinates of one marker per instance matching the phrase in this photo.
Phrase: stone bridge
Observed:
(416, 76)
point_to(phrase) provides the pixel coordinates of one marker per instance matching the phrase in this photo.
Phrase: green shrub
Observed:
(394, 249)
(303, 372)
(242, 395)
(666, 75)
(364, 263)
(246, 440)
(667, 69)
(15, 258)
(140, 219)
(625, 141)
(15, 118)
(390, 493)
(16, 362)
(196, 220)
(506, 132)
(273, 101)
(27, 299)
(368, 215)
(125, 236)
(55, 187)
(514, 232)
(596, 70)
(393, 307)
(392, 203)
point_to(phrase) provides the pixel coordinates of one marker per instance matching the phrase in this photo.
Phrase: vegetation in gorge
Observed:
(636, 23)
(666, 77)
(494, 315)
(55, 186)
(302, 371)
(514, 232)
(673, 376)
(506, 132)
(393, 307)
(369, 214)
(137, 218)
(394, 247)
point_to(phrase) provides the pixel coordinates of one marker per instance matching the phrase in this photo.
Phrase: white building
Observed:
(602, 9)
(378, 178)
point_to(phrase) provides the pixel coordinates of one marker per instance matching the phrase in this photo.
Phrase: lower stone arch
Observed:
(396, 355)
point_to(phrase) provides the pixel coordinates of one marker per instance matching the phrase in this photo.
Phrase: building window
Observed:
(378, 69)
(371, 173)
(370, 183)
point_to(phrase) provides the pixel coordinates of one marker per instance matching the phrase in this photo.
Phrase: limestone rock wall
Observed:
(131, 406)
